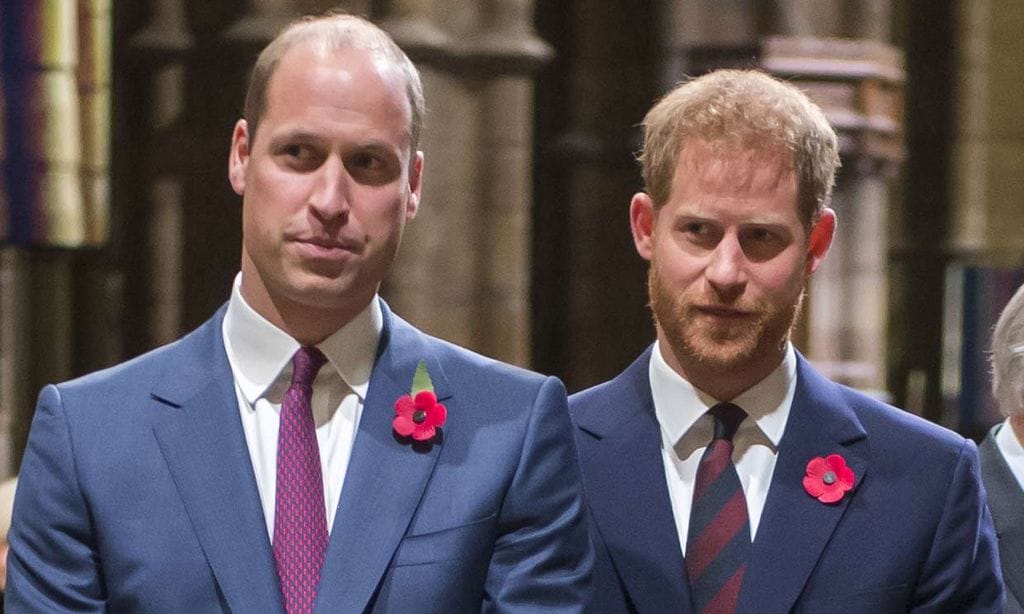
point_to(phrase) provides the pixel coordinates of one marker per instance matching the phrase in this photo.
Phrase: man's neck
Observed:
(724, 383)
(1017, 424)
(307, 324)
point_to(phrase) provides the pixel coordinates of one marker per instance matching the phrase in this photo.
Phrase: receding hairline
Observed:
(325, 35)
(748, 110)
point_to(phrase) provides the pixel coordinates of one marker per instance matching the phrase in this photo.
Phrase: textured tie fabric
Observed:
(300, 520)
(719, 534)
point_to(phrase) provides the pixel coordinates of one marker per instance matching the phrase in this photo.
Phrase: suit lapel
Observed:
(200, 435)
(386, 477)
(795, 527)
(625, 478)
(1006, 500)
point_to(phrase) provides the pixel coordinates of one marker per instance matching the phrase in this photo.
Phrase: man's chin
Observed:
(717, 359)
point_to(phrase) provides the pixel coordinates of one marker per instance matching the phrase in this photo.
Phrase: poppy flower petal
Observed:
(403, 425)
(423, 432)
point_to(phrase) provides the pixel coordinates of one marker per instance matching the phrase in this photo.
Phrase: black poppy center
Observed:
(419, 416)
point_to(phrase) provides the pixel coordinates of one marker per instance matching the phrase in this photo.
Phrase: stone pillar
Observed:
(988, 151)
(986, 240)
(45, 126)
(150, 241)
(6, 330)
(590, 296)
(464, 268)
(46, 207)
(94, 26)
(4, 213)
(859, 86)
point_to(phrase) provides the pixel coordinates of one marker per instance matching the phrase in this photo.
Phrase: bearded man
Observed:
(723, 473)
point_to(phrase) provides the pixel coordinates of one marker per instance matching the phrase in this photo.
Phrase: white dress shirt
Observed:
(260, 355)
(686, 431)
(1012, 451)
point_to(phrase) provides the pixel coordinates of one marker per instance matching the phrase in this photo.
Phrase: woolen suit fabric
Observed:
(914, 534)
(1006, 500)
(138, 493)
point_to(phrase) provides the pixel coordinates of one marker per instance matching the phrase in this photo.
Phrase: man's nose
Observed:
(330, 198)
(727, 264)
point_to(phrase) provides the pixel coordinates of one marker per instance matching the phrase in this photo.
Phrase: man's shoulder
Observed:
(192, 352)
(887, 426)
(464, 365)
(606, 404)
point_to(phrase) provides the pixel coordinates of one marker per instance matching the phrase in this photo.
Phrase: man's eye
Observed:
(372, 167)
(761, 244)
(696, 228)
(299, 156)
(366, 161)
(297, 151)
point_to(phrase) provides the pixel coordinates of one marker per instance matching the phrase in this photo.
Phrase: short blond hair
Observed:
(332, 32)
(749, 109)
(1008, 357)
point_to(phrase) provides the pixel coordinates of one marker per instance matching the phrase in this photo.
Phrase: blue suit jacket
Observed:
(913, 535)
(137, 493)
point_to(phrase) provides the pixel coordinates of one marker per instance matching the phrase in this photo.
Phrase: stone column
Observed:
(46, 207)
(150, 242)
(4, 213)
(988, 151)
(858, 84)
(986, 238)
(464, 269)
(45, 125)
(6, 330)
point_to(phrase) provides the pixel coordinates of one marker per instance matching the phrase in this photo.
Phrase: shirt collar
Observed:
(1013, 451)
(260, 351)
(678, 404)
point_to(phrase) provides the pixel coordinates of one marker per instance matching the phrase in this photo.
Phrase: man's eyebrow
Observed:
(296, 134)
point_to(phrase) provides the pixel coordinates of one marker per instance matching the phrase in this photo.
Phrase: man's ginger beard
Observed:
(694, 340)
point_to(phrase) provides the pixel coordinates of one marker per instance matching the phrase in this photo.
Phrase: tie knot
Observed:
(305, 365)
(727, 420)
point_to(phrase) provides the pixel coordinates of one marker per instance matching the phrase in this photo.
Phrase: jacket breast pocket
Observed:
(463, 541)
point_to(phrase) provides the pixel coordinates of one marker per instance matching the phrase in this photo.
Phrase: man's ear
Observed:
(641, 222)
(412, 204)
(238, 158)
(822, 234)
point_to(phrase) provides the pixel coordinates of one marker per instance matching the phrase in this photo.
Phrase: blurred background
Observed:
(119, 231)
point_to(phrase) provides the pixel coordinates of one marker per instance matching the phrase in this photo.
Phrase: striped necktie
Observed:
(719, 534)
(300, 518)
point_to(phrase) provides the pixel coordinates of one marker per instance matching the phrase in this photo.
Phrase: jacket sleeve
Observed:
(53, 565)
(962, 571)
(543, 558)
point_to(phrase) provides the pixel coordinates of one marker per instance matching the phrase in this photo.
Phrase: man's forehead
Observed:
(741, 167)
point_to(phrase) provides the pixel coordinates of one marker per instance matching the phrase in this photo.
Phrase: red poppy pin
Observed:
(419, 415)
(828, 479)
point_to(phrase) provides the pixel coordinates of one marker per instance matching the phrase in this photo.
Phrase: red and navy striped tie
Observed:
(719, 534)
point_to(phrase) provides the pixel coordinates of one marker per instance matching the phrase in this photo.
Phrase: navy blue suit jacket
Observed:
(137, 493)
(914, 534)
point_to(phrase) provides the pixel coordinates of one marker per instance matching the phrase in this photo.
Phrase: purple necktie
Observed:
(719, 535)
(300, 522)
